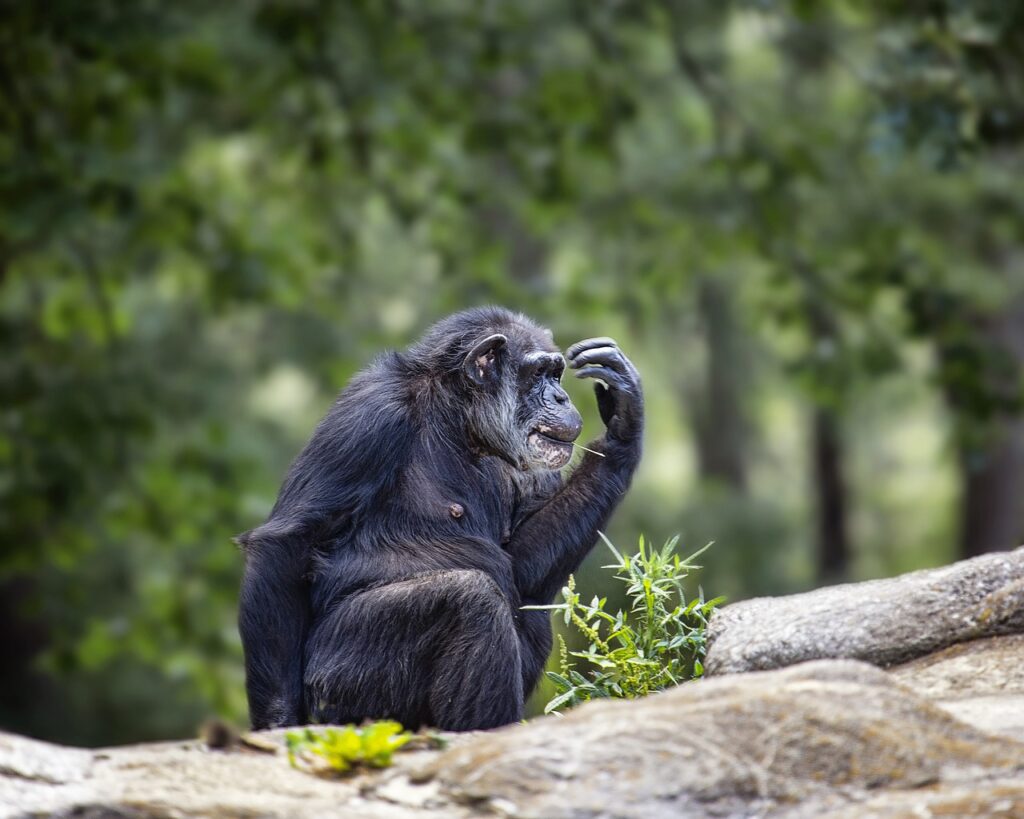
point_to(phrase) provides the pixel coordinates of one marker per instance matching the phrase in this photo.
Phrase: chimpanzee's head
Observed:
(505, 372)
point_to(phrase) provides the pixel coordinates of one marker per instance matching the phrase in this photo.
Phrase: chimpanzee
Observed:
(424, 513)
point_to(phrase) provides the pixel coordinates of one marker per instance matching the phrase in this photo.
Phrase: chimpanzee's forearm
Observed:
(550, 545)
(273, 620)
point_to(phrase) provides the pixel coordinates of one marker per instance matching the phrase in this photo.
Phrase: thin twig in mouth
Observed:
(591, 451)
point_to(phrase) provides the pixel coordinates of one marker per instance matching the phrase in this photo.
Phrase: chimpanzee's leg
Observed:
(535, 641)
(437, 649)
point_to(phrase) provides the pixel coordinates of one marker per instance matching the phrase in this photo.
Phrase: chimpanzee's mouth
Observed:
(555, 435)
(551, 448)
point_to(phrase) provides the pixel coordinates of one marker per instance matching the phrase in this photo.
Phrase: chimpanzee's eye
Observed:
(550, 369)
(542, 367)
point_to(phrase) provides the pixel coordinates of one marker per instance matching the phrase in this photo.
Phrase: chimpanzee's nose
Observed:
(561, 397)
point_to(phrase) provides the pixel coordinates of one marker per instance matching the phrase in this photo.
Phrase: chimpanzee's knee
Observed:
(472, 593)
(477, 678)
(439, 648)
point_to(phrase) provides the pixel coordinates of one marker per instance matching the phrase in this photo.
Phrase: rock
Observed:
(174, 779)
(981, 682)
(939, 733)
(823, 738)
(31, 761)
(989, 800)
(798, 742)
(883, 622)
(989, 667)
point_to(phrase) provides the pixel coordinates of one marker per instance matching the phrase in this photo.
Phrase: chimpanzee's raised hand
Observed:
(620, 397)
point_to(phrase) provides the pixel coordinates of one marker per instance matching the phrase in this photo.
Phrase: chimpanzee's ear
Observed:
(483, 364)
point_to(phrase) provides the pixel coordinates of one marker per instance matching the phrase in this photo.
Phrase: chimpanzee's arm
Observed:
(273, 619)
(550, 544)
(352, 458)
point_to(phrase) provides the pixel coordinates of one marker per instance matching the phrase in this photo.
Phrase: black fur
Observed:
(422, 515)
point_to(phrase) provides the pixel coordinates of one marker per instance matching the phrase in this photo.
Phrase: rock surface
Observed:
(981, 682)
(804, 741)
(170, 779)
(825, 738)
(883, 622)
(940, 733)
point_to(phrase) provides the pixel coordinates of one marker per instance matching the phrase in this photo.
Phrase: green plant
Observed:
(330, 751)
(658, 643)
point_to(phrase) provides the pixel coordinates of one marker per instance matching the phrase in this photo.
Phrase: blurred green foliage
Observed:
(802, 218)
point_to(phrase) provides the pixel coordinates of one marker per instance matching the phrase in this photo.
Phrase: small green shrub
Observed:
(658, 643)
(331, 751)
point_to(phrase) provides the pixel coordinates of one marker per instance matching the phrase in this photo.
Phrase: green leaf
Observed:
(560, 700)
(614, 551)
(558, 680)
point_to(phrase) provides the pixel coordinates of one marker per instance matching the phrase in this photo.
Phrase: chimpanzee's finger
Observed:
(611, 378)
(589, 343)
(606, 402)
(631, 370)
(607, 356)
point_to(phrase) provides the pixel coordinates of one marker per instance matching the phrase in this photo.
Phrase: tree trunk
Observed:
(721, 423)
(833, 546)
(993, 493)
(832, 542)
(992, 471)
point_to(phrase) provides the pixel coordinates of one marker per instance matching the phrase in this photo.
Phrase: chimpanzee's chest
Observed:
(457, 517)
(395, 542)
(463, 533)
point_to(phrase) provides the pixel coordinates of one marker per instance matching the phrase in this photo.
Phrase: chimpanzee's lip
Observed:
(556, 436)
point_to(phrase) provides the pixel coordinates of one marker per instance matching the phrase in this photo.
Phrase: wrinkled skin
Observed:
(552, 422)
(424, 513)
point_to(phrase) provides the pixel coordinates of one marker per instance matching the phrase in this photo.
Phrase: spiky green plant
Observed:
(657, 643)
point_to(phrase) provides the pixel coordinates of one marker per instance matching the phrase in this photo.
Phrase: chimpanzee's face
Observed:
(545, 413)
(517, 408)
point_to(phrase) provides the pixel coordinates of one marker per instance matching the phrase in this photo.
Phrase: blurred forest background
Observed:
(803, 220)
